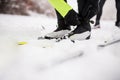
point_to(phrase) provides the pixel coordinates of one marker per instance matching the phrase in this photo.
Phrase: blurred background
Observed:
(109, 10)
(28, 7)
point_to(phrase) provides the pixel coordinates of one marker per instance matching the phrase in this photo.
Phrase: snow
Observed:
(59, 61)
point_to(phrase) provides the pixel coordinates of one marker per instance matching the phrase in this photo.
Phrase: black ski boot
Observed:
(82, 32)
(61, 31)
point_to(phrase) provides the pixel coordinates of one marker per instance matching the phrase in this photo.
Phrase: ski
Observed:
(63, 59)
(71, 57)
(109, 43)
(56, 39)
(43, 42)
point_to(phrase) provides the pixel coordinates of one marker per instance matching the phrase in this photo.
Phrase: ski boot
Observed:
(58, 33)
(82, 32)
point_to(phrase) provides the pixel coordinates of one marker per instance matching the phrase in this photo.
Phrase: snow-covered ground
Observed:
(32, 62)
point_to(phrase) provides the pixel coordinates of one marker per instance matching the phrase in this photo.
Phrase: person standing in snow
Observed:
(98, 17)
(67, 17)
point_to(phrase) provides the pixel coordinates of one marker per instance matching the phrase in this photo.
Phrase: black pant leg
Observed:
(98, 17)
(81, 9)
(60, 19)
(118, 10)
(81, 4)
(87, 8)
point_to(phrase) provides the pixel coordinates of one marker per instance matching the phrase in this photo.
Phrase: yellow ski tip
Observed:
(22, 43)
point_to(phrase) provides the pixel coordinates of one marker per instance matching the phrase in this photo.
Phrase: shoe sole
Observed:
(81, 36)
(58, 34)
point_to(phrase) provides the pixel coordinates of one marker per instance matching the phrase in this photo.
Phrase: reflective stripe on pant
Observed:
(61, 6)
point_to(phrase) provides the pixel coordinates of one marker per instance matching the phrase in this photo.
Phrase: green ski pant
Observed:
(61, 6)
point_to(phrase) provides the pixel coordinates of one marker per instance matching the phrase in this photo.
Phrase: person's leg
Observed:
(87, 9)
(81, 32)
(82, 14)
(118, 13)
(61, 21)
(98, 17)
(62, 27)
(66, 17)
(66, 11)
